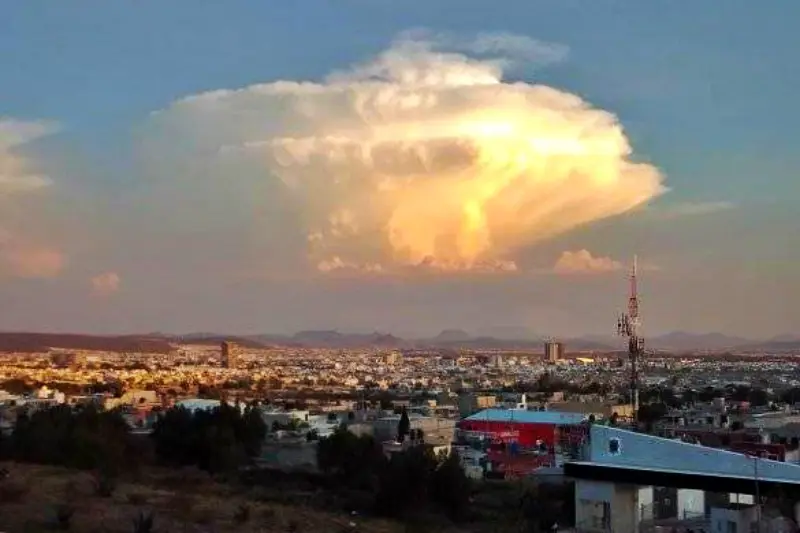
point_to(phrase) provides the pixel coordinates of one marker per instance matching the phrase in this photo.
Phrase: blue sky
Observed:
(705, 90)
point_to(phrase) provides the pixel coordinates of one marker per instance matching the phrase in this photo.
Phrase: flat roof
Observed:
(527, 417)
(690, 479)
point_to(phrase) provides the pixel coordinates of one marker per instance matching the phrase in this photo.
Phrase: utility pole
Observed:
(628, 326)
(757, 495)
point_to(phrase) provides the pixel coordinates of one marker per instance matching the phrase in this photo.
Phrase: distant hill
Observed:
(771, 346)
(449, 339)
(41, 342)
(216, 340)
(682, 341)
(452, 335)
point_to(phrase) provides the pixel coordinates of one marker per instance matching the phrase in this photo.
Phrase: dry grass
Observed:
(183, 502)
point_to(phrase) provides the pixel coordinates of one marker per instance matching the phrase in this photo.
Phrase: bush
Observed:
(137, 498)
(143, 522)
(12, 492)
(64, 514)
(104, 484)
(242, 514)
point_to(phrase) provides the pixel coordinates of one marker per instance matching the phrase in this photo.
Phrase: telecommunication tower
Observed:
(628, 326)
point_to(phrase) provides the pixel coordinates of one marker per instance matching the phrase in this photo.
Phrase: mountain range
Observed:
(503, 339)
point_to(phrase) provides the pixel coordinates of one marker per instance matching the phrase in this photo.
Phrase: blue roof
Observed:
(527, 417)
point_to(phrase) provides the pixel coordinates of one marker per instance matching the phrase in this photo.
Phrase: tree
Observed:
(405, 481)
(85, 439)
(403, 426)
(648, 414)
(350, 459)
(215, 440)
(450, 487)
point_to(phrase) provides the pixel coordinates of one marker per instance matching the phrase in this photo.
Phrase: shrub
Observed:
(11, 492)
(64, 514)
(137, 498)
(104, 484)
(143, 522)
(242, 514)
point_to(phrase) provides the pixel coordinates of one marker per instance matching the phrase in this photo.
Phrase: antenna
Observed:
(628, 325)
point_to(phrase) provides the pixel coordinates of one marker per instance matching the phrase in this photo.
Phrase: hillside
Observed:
(189, 501)
(39, 342)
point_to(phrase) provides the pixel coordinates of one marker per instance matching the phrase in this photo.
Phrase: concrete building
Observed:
(618, 472)
(229, 354)
(436, 431)
(553, 351)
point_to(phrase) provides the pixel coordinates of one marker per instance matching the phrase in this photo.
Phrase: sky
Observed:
(406, 167)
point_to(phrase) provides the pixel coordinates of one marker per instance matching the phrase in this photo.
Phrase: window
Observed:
(614, 446)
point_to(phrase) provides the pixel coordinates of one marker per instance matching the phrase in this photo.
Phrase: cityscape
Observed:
(381, 267)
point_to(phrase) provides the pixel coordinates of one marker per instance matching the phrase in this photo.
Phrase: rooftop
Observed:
(527, 417)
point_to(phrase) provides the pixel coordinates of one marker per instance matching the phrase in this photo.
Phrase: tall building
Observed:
(553, 351)
(229, 353)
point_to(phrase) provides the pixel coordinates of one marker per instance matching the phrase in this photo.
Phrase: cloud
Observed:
(687, 209)
(420, 158)
(105, 284)
(22, 255)
(23, 259)
(583, 262)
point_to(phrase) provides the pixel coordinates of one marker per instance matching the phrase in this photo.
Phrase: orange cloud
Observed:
(105, 284)
(20, 256)
(425, 155)
(583, 262)
(29, 261)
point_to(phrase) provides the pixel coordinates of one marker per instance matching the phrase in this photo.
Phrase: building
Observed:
(517, 427)
(553, 351)
(436, 431)
(229, 354)
(621, 474)
(471, 403)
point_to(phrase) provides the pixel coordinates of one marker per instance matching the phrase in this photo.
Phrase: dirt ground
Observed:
(33, 496)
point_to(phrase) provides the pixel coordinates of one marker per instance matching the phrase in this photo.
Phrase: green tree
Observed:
(403, 426)
(215, 440)
(405, 481)
(84, 439)
(450, 487)
(353, 460)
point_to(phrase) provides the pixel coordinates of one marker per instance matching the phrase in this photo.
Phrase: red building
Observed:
(518, 428)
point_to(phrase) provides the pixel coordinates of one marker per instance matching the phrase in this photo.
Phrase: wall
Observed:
(637, 450)
(691, 503)
(525, 434)
(743, 517)
(625, 505)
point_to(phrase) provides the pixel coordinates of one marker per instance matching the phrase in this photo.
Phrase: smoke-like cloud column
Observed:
(424, 157)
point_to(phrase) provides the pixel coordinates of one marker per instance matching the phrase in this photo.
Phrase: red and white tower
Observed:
(628, 326)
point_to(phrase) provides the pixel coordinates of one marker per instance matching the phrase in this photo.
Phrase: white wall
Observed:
(625, 502)
(691, 503)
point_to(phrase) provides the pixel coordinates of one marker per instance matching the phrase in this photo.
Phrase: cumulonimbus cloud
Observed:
(20, 254)
(424, 157)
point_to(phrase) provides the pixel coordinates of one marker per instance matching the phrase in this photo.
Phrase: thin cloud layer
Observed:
(688, 209)
(583, 262)
(20, 254)
(422, 158)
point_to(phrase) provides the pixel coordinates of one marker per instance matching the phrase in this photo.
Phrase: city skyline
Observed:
(268, 168)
